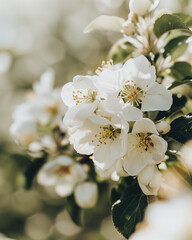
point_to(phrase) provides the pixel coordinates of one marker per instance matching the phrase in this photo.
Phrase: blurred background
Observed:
(34, 36)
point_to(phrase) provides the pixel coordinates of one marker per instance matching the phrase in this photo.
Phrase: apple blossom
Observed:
(144, 147)
(129, 28)
(63, 174)
(24, 132)
(103, 136)
(86, 194)
(133, 89)
(140, 7)
(81, 98)
(150, 180)
(45, 85)
(163, 127)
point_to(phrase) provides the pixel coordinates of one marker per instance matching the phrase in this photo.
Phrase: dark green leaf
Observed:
(178, 103)
(181, 71)
(187, 19)
(129, 209)
(181, 129)
(179, 83)
(173, 158)
(168, 22)
(32, 169)
(174, 44)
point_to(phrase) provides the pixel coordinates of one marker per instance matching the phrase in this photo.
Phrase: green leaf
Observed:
(32, 169)
(121, 51)
(129, 208)
(173, 45)
(178, 103)
(90, 217)
(187, 19)
(107, 23)
(168, 22)
(181, 129)
(179, 83)
(181, 71)
(173, 158)
(179, 51)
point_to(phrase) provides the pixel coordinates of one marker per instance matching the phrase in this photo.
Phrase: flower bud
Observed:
(24, 132)
(150, 180)
(163, 127)
(129, 28)
(140, 7)
(86, 194)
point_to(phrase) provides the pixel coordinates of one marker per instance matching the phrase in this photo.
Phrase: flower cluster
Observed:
(38, 116)
(67, 177)
(38, 128)
(109, 116)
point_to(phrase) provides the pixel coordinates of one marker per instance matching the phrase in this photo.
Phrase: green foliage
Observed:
(32, 169)
(128, 207)
(181, 129)
(187, 19)
(178, 103)
(173, 45)
(181, 71)
(168, 22)
(90, 218)
(179, 83)
(173, 158)
(121, 51)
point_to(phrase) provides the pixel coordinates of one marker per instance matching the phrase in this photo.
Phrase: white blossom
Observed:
(163, 127)
(150, 180)
(103, 136)
(129, 28)
(81, 98)
(133, 89)
(63, 174)
(43, 104)
(24, 132)
(144, 147)
(140, 7)
(46, 83)
(86, 194)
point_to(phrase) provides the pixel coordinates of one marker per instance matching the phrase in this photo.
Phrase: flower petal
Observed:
(109, 82)
(67, 96)
(79, 113)
(134, 161)
(64, 189)
(140, 71)
(101, 157)
(104, 22)
(157, 98)
(131, 113)
(145, 125)
(159, 149)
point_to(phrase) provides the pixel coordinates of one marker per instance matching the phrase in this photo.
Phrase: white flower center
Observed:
(145, 141)
(84, 96)
(62, 170)
(106, 133)
(131, 93)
